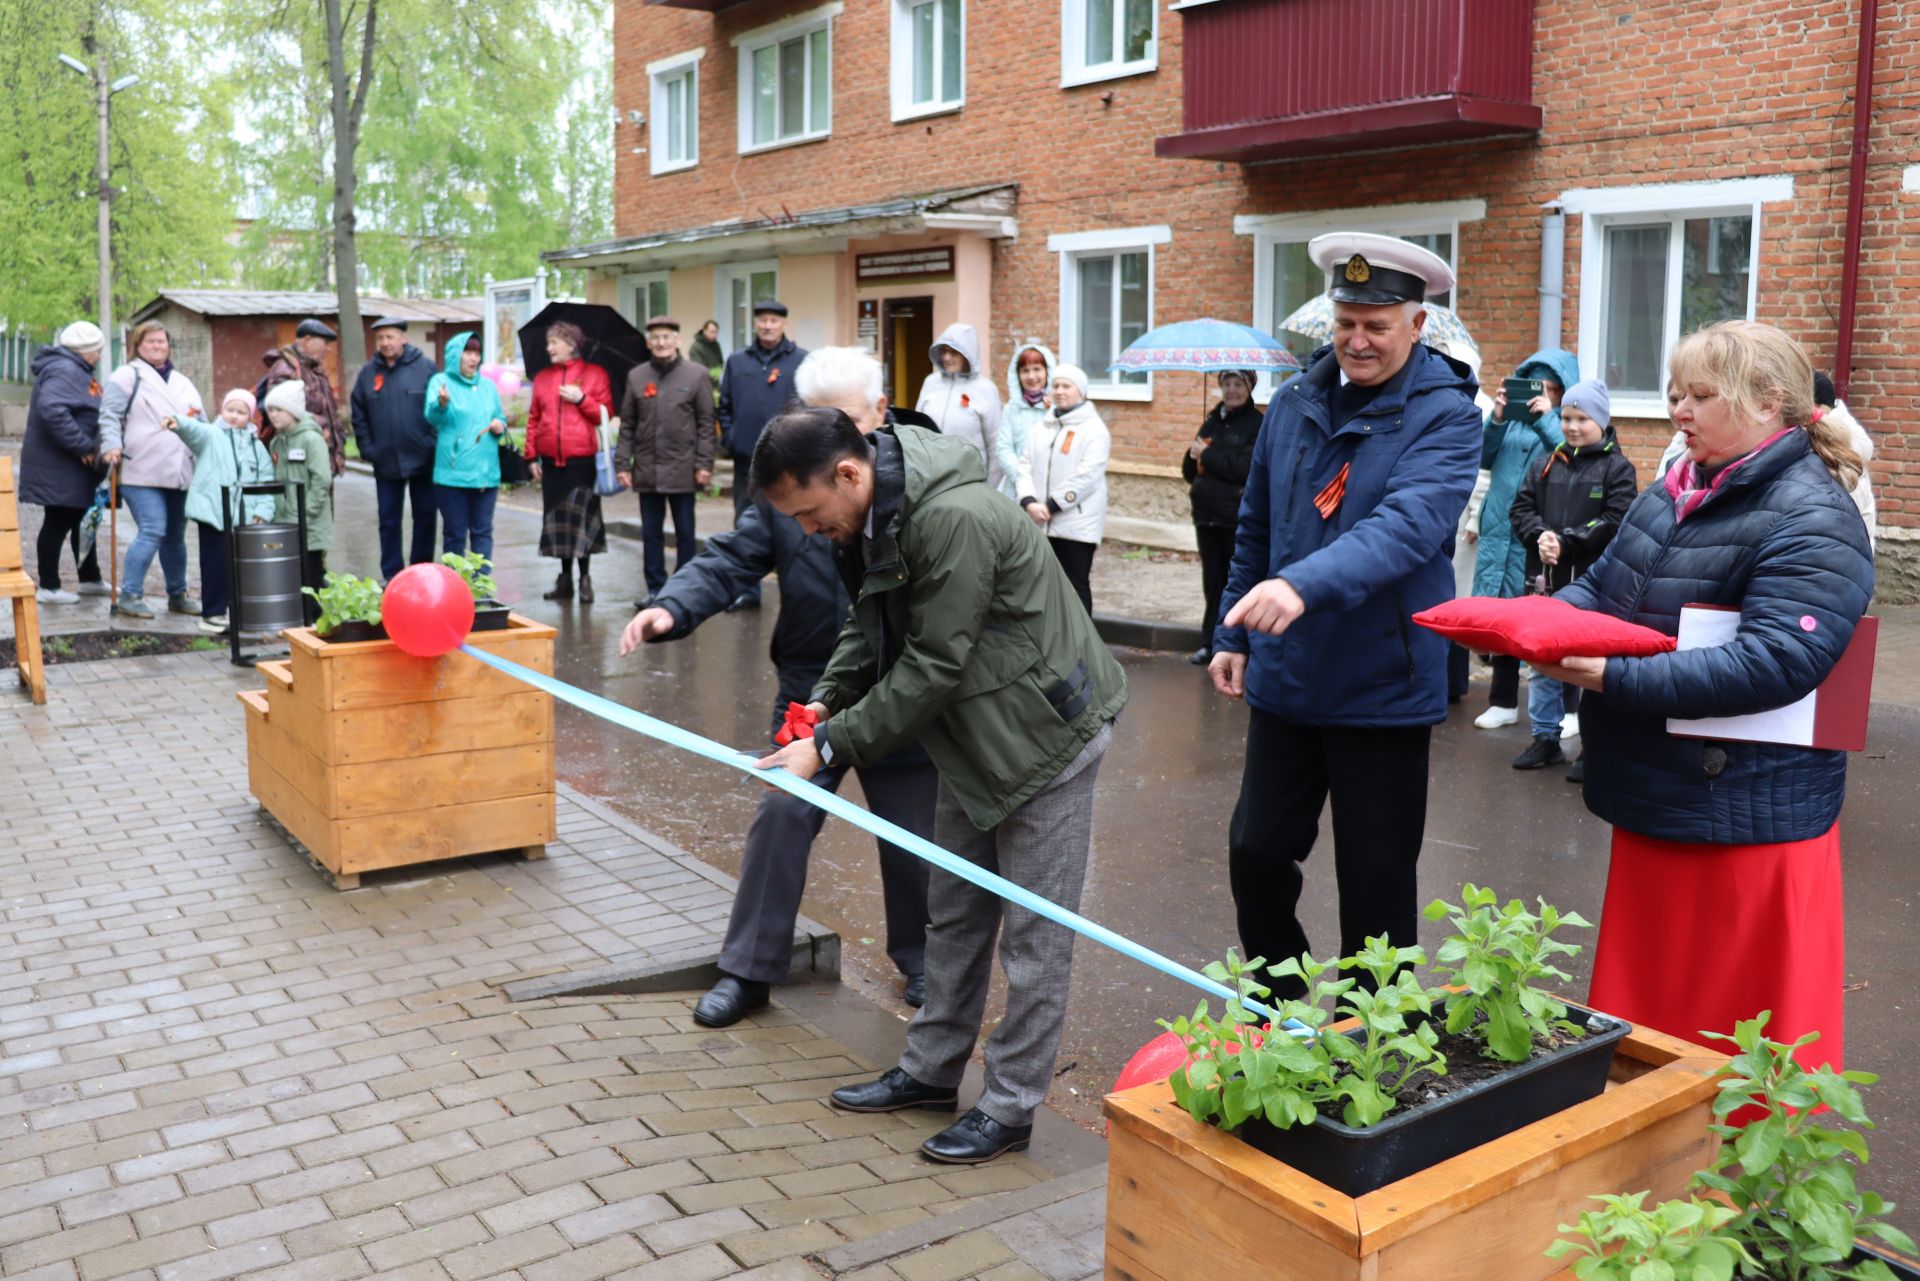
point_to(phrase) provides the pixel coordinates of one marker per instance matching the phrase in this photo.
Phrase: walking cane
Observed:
(113, 528)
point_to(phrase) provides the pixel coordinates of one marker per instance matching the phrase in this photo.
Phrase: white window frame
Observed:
(904, 107)
(1075, 70)
(723, 277)
(1600, 208)
(750, 42)
(1071, 248)
(1269, 231)
(658, 74)
(631, 287)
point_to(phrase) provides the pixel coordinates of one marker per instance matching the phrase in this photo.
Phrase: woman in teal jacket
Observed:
(464, 410)
(1506, 451)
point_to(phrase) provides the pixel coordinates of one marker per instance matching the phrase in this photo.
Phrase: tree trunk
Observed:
(349, 101)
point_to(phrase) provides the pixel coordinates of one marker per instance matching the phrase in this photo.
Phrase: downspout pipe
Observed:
(1856, 195)
(1553, 268)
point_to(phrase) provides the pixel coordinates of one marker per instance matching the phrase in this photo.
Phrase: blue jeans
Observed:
(392, 492)
(1548, 702)
(161, 516)
(467, 515)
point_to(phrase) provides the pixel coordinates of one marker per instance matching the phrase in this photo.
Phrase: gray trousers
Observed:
(1042, 847)
(773, 871)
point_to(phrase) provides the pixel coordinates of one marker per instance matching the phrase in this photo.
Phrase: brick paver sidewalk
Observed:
(212, 1064)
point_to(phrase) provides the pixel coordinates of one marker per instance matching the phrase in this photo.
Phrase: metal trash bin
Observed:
(266, 578)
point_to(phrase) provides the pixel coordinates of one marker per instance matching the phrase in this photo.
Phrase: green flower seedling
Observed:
(1495, 955)
(1674, 1241)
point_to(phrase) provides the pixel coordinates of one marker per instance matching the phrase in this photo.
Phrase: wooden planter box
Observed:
(373, 758)
(1186, 1200)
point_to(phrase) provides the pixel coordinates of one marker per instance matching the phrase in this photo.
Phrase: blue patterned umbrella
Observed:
(1204, 346)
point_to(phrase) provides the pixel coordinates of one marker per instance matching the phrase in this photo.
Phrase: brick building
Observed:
(1077, 170)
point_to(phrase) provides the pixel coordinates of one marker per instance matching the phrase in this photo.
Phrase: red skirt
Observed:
(1694, 938)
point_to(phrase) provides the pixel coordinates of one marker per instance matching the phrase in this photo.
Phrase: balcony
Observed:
(1286, 79)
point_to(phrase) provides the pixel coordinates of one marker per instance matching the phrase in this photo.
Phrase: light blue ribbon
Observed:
(810, 792)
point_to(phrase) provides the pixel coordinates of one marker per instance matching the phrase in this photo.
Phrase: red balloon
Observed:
(1157, 1060)
(427, 610)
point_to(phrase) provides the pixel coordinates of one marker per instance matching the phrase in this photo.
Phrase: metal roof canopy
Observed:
(987, 210)
(295, 302)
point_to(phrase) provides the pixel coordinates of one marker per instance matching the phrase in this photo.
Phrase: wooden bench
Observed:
(16, 586)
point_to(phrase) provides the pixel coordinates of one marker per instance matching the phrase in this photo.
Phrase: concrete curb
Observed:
(917, 1236)
(1146, 633)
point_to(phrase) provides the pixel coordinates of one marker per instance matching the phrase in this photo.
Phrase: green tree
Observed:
(172, 207)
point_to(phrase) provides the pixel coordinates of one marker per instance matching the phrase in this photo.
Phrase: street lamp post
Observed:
(104, 89)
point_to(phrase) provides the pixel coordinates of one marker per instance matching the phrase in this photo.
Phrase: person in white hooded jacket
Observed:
(959, 399)
(1029, 383)
(1063, 477)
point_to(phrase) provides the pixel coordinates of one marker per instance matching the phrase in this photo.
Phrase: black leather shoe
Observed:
(974, 1138)
(1577, 772)
(893, 1092)
(730, 1001)
(915, 992)
(1200, 657)
(745, 600)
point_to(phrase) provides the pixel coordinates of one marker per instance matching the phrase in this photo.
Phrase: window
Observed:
(786, 81)
(740, 285)
(675, 112)
(1106, 301)
(929, 56)
(1105, 39)
(644, 297)
(1656, 263)
(1285, 279)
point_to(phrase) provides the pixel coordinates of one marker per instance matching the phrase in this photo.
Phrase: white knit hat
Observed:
(290, 396)
(82, 335)
(1073, 374)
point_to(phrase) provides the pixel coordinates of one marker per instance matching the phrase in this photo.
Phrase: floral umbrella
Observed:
(1204, 346)
(1443, 328)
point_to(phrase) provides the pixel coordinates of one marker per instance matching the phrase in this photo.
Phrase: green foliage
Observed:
(1673, 1241)
(1790, 1177)
(1240, 1069)
(346, 598)
(1496, 954)
(472, 568)
(58, 648)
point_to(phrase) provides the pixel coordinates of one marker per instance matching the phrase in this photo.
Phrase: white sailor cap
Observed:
(1378, 270)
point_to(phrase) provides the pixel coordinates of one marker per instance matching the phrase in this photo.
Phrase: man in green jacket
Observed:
(965, 635)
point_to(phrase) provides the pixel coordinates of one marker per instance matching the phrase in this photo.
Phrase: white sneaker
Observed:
(1496, 718)
(54, 596)
(95, 589)
(215, 626)
(1570, 725)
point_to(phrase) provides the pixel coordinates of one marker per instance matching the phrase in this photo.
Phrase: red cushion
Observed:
(1540, 629)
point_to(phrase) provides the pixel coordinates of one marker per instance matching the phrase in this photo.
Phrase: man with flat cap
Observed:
(665, 451)
(305, 359)
(756, 384)
(1362, 468)
(389, 414)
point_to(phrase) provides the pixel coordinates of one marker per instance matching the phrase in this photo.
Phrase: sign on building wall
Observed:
(869, 336)
(511, 304)
(904, 266)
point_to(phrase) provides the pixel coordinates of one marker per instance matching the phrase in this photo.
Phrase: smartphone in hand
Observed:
(1520, 391)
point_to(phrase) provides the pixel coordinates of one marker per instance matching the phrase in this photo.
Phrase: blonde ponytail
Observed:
(1750, 364)
(1834, 444)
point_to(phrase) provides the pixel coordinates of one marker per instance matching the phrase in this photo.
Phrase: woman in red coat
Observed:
(570, 397)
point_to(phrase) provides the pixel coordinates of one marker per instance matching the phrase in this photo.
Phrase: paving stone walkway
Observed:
(212, 1064)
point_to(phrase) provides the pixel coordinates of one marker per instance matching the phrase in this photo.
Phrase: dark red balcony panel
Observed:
(1280, 79)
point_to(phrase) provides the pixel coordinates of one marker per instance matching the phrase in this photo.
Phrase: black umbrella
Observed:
(612, 341)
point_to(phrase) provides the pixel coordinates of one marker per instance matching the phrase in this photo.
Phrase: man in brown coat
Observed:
(304, 358)
(665, 452)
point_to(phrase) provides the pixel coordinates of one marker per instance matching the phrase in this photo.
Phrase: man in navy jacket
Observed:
(389, 410)
(1362, 468)
(756, 384)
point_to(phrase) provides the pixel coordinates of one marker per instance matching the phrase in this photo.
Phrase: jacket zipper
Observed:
(1400, 619)
(1293, 491)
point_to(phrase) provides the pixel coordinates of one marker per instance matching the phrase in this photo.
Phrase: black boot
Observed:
(1577, 772)
(915, 992)
(1543, 751)
(976, 1138)
(562, 588)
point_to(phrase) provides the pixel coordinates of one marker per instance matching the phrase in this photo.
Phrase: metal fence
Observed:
(16, 356)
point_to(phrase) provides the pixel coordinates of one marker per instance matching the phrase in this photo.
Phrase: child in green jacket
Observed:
(300, 456)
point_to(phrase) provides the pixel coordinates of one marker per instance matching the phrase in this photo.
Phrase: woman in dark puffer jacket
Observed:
(1723, 895)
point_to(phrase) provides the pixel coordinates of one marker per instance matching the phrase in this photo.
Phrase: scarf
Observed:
(164, 369)
(1689, 487)
(1034, 398)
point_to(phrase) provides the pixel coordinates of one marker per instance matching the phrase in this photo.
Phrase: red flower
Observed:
(93, 387)
(773, 376)
(379, 381)
(652, 390)
(966, 401)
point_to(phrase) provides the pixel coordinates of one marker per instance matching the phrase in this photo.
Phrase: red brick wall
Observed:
(1667, 91)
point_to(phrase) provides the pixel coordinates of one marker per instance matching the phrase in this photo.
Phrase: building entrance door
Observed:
(906, 328)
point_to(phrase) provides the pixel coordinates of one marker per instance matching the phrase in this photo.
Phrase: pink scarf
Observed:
(1682, 479)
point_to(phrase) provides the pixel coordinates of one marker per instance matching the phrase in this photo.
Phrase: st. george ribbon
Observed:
(666, 732)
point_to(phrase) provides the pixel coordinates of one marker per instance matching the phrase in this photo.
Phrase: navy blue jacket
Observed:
(1783, 542)
(390, 425)
(1355, 658)
(63, 425)
(755, 385)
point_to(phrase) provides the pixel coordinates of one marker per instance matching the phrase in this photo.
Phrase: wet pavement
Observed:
(1165, 792)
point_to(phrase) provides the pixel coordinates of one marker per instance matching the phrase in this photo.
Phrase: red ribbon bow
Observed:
(653, 389)
(773, 376)
(379, 381)
(966, 401)
(800, 723)
(1327, 501)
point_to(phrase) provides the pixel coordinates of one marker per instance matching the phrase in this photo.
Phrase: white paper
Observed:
(1792, 724)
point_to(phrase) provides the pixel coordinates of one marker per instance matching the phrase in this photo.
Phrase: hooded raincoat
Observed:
(226, 457)
(1508, 450)
(967, 404)
(465, 454)
(1019, 416)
